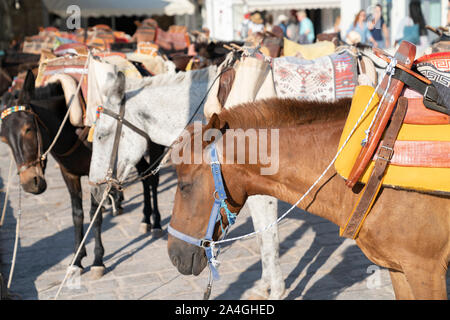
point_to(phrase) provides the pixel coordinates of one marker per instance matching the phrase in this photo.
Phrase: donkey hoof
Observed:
(117, 212)
(257, 293)
(74, 271)
(97, 272)
(144, 228)
(157, 232)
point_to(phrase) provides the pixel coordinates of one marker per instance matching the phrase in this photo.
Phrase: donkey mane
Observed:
(277, 113)
(49, 91)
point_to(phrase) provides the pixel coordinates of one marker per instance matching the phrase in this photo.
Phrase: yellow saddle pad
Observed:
(308, 51)
(434, 177)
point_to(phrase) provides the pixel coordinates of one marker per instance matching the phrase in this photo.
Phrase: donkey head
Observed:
(21, 131)
(131, 146)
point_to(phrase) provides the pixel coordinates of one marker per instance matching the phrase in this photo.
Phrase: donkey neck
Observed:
(304, 153)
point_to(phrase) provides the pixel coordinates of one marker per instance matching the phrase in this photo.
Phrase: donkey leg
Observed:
(401, 286)
(116, 202)
(427, 281)
(156, 216)
(145, 225)
(73, 183)
(264, 211)
(98, 268)
(156, 151)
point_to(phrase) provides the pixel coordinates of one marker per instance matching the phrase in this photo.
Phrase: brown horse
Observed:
(407, 232)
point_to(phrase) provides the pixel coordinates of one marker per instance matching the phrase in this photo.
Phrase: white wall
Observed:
(444, 6)
(219, 19)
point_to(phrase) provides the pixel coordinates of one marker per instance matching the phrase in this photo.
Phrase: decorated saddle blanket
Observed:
(70, 70)
(326, 78)
(421, 155)
(436, 67)
(171, 40)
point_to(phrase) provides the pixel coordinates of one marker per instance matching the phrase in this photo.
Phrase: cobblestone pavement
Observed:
(316, 262)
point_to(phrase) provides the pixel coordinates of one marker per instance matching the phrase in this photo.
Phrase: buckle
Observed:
(391, 153)
(204, 243)
(430, 95)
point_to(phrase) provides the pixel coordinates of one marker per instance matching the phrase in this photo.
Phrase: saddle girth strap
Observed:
(373, 186)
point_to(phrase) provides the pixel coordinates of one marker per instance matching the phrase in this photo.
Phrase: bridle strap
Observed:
(112, 163)
(219, 202)
(127, 123)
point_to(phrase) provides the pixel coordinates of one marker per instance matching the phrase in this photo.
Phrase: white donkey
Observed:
(161, 106)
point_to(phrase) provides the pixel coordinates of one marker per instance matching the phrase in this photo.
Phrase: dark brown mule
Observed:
(406, 232)
(29, 133)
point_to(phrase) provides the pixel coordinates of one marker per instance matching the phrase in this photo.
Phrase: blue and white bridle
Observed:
(220, 196)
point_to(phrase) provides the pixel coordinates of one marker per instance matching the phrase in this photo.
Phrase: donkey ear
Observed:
(215, 123)
(27, 92)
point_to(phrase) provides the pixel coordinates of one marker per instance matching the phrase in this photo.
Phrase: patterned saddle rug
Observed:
(326, 78)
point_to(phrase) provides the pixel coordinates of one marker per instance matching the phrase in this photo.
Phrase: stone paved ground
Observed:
(316, 263)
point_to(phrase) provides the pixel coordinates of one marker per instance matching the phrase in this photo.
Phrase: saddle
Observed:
(176, 39)
(408, 146)
(308, 51)
(70, 70)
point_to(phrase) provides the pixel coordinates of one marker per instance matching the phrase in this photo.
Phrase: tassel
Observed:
(91, 134)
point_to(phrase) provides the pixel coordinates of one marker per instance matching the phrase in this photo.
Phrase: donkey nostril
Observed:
(36, 182)
(175, 261)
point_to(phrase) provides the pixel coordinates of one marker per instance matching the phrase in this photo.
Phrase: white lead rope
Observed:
(16, 240)
(11, 165)
(69, 268)
(389, 70)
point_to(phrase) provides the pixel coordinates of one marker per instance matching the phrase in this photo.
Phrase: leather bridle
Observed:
(111, 174)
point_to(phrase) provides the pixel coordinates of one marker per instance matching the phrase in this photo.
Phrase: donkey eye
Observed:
(185, 187)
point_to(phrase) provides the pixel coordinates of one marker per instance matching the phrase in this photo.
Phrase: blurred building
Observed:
(224, 18)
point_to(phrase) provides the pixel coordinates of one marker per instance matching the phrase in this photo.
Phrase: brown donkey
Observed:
(407, 232)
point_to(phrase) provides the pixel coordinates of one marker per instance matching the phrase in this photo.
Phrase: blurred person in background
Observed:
(282, 23)
(243, 33)
(306, 30)
(378, 28)
(412, 27)
(359, 26)
(256, 23)
(269, 22)
(293, 28)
